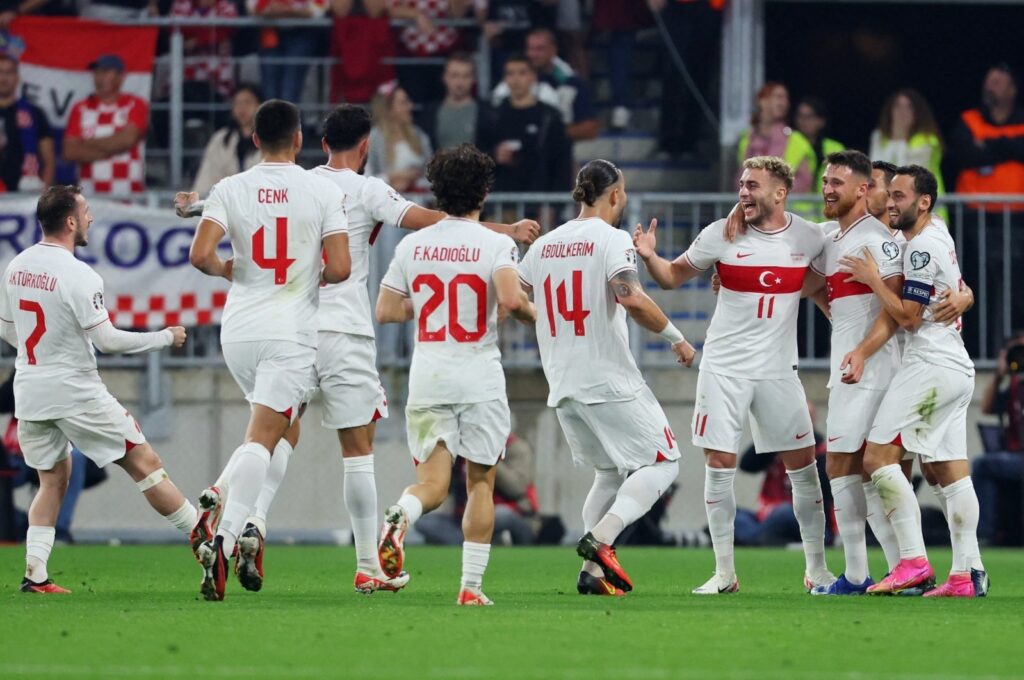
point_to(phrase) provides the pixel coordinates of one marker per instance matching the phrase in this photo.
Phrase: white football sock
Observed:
(962, 502)
(361, 503)
(413, 507)
(720, 504)
(247, 476)
(184, 518)
(941, 497)
(275, 475)
(880, 526)
(599, 499)
(38, 545)
(810, 514)
(901, 508)
(636, 496)
(851, 513)
(474, 563)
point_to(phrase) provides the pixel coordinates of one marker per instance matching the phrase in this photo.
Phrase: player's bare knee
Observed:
(798, 459)
(842, 465)
(720, 460)
(355, 442)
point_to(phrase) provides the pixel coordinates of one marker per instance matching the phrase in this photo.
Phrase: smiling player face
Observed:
(841, 188)
(761, 195)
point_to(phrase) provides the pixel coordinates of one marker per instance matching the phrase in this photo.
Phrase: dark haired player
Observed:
(52, 311)
(451, 278)
(584, 279)
(289, 234)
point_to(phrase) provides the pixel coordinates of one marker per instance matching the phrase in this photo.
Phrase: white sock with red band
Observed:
(902, 509)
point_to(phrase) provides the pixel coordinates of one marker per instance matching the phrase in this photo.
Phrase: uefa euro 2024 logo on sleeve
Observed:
(919, 260)
(891, 250)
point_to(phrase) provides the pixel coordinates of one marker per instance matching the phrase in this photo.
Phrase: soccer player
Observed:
(353, 397)
(279, 219)
(750, 358)
(854, 310)
(52, 311)
(925, 409)
(584, 278)
(451, 278)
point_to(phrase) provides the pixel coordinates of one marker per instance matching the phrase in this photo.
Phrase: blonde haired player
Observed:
(52, 310)
(280, 219)
(748, 369)
(584, 280)
(450, 278)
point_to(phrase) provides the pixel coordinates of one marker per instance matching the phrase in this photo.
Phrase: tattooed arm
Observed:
(630, 294)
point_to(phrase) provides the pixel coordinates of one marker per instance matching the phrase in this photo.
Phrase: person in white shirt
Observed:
(352, 396)
(451, 278)
(52, 310)
(748, 369)
(289, 234)
(584, 279)
(925, 409)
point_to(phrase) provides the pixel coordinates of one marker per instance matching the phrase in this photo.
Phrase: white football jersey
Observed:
(752, 334)
(854, 306)
(581, 328)
(53, 299)
(447, 269)
(929, 268)
(277, 215)
(370, 204)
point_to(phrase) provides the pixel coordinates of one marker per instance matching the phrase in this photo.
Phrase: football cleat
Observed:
(391, 549)
(909, 577)
(841, 586)
(959, 584)
(471, 597)
(367, 585)
(215, 569)
(249, 558)
(210, 506)
(588, 584)
(589, 548)
(47, 587)
(981, 582)
(822, 577)
(718, 584)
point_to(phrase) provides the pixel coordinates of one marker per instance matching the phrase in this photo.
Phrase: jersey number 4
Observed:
(37, 333)
(280, 262)
(438, 292)
(576, 315)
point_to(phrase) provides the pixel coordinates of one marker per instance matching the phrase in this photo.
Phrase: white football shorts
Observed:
(104, 434)
(925, 410)
(278, 374)
(626, 435)
(476, 432)
(851, 412)
(777, 409)
(346, 368)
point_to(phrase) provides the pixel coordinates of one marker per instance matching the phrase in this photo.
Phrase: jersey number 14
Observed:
(575, 315)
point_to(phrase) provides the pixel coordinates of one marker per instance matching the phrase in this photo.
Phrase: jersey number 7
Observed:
(37, 333)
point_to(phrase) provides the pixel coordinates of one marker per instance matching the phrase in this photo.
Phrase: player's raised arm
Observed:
(512, 297)
(642, 309)
(523, 231)
(667, 274)
(111, 340)
(203, 253)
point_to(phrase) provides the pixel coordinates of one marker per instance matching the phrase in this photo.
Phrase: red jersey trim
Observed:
(690, 262)
(840, 234)
(405, 211)
(394, 290)
(761, 278)
(789, 223)
(218, 223)
(97, 324)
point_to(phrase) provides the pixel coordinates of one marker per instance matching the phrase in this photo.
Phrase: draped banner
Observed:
(142, 255)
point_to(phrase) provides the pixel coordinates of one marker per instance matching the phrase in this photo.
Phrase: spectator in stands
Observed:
(811, 120)
(527, 137)
(27, 158)
(296, 45)
(569, 22)
(106, 134)
(907, 134)
(208, 47)
(119, 9)
(693, 29)
(557, 85)
(1004, 397)
(426, 38)
(230, 149)
(987, 146)
(515, 501)
(399, 150)
(774, 523)
(770, 135)
(620, 19)
(505, 24)
(455, 119)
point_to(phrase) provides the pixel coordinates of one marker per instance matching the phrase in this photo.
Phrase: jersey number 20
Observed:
(438, 292)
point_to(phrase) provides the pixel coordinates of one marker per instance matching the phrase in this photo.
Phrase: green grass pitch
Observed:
(135, 613)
